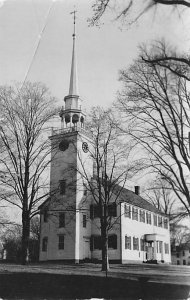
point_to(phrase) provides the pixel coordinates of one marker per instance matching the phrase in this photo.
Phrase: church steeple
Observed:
(71, 115)
(73, 87)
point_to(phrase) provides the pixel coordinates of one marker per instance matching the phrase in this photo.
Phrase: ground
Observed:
(84, 281)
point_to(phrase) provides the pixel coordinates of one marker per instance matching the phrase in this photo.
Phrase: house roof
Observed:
(131, 198)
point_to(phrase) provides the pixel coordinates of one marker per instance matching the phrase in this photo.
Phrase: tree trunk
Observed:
(25, 237)
(105, 261)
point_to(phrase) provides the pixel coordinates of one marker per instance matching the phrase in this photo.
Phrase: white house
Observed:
(70, 227)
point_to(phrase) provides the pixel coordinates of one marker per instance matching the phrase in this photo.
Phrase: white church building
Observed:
(69, 221)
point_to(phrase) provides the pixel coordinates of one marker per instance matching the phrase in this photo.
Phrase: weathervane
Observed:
(74, 20)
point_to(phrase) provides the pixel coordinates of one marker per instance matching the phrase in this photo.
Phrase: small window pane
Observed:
(84, 221)
(112, 241)
(62, 220)
(135, 243)
(62, 187)
(127, 211)
(44, 244)
(61, 242)
(128, 242)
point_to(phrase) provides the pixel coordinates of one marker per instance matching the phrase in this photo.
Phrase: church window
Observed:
(128, 242)
(166, 223)
(84, 221)
(112, 241)
(155, 220)
(135, 213)
(96, 243)
(45, 216)
(44, 244)
(148, 218)
(61, 219)
(142, 242)
(135, 243)
(61, 244)
(142, 216)
(62, 187)
(160, 246)
(112, 210)
(159, 221)
(94, 211)
(166, 246)
(127, 211)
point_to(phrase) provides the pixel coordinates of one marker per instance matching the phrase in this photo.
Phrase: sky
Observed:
(36, 45)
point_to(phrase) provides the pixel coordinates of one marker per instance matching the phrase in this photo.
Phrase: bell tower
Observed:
(62, 230)
(72, 115)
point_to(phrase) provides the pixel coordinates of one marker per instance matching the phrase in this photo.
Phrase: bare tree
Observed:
(122, 10)
(160, 195)
(111, 156)
(156, 105)
(24, 149)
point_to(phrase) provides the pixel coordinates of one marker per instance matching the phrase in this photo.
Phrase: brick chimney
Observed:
(137, 189)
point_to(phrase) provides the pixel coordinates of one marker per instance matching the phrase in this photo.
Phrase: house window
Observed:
(160, 247)
(61, 220)
(159, 221)
(155, 220)
(184, 262)
(95, 242)
(148, 218)
(135, 213)
(142, 244)
(166, 223)
(94, 211)
(112, 210)
(84, 221)
(44, 244)
(177, 255)
(127, 211)
(142, 216)
(177, 262)
(62, 187)
(128, 242)
(112, 241)
(183, 253)
(135, 243)
(166, 246)
(61, 242)
(45, 216)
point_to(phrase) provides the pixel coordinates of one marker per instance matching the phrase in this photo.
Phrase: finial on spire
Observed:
(74, 21)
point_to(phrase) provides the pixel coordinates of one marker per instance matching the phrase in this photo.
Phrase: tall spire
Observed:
(73, 87)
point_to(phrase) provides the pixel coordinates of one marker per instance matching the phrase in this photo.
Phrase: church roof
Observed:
(131, 198)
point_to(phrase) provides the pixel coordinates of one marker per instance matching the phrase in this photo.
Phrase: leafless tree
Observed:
(24, 149)
(160, 195)
(111, 156)
(156, 105)
(122, 10)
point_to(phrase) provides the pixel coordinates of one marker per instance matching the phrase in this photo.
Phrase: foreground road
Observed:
(178, 275)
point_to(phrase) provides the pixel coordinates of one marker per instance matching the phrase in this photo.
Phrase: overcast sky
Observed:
(101, 52)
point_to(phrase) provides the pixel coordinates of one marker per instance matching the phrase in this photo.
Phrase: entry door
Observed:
(150, 253)
(86, 248)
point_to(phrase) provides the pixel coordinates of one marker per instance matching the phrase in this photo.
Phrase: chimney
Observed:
(137, 189)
